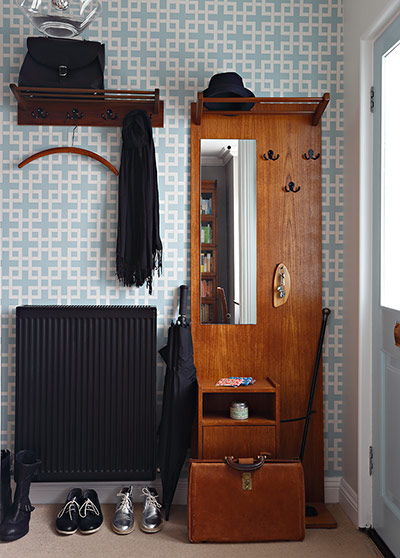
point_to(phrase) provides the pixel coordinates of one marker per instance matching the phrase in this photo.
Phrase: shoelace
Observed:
(151, 500)
(88, 506)
(126, 503)
(68, 508)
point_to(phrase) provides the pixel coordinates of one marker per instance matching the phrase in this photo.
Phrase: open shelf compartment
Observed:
(216, 406)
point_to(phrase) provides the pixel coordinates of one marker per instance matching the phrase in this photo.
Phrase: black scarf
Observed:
(139, 248)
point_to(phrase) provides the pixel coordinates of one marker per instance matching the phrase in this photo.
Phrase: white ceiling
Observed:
(213, 147)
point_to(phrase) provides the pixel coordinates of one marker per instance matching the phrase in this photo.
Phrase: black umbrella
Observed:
(179, 402)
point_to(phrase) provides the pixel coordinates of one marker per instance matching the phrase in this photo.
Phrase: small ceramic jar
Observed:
(239, 410)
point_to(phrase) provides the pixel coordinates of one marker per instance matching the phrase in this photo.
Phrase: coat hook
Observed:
(40, 113)
(291, 188)
(75, 115)
(270, 156)
(310, 155)
(109, 115)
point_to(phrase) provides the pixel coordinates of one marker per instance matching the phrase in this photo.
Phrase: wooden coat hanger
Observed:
(77, 150)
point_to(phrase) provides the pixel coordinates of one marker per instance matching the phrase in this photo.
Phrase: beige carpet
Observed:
(172, 542)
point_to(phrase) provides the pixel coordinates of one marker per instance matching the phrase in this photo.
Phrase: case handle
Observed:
(248, 465)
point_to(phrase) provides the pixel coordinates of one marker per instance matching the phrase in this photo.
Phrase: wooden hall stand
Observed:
(283, 343)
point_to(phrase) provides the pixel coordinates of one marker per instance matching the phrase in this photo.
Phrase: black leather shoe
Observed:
(67, 521)
(90, 515)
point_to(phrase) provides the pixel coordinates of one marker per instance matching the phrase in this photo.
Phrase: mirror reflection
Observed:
(228, 232)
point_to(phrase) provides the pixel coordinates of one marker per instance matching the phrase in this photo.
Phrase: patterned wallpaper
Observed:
(59, 214)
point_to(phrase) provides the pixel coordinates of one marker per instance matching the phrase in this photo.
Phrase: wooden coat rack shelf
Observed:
(315, 106)
(43, 106)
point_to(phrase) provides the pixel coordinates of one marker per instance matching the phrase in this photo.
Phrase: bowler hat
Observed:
(228, 84)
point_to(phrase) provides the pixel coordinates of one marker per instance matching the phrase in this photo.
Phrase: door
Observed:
(386, 289)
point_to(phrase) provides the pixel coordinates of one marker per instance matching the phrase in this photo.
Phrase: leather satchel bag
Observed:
(246, 500)
(64, 63)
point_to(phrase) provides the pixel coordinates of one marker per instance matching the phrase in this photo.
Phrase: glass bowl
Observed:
(60, 18)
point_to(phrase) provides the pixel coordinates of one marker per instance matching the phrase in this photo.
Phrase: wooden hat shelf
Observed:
(315, 106)
(84, 107)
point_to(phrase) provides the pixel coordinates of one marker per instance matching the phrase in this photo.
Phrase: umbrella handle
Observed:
(183, 300)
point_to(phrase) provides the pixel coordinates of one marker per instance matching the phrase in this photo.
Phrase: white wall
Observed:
(363, 20)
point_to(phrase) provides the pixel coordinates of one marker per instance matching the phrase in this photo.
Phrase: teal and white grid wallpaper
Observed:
(59, 214)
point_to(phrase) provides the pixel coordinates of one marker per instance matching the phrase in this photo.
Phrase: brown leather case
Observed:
(246, 500)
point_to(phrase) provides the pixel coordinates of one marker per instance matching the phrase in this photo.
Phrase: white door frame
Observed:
(365, 263)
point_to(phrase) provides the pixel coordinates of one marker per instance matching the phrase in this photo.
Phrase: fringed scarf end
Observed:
(132, 278)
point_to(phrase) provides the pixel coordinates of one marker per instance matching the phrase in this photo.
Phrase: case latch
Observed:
(247, 483)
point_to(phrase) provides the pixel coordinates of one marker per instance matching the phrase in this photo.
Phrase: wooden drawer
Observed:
(238, 440)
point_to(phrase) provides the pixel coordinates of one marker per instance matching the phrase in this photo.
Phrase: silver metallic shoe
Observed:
(152, 520)
(123, 522)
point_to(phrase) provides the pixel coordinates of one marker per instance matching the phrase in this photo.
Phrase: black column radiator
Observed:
(85, 391)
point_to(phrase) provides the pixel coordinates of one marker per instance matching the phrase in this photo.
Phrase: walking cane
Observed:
(325, 314)
(310, 510)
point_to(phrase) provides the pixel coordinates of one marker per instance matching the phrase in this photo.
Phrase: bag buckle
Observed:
(62, 71)
(247, 483)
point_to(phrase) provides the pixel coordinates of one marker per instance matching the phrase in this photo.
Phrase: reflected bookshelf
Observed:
(208, 252)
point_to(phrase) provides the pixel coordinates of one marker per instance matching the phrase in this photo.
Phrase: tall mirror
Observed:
(228, 232)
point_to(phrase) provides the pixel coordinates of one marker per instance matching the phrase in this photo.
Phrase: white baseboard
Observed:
(56, 492)
(348, 501)
(331, 489)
